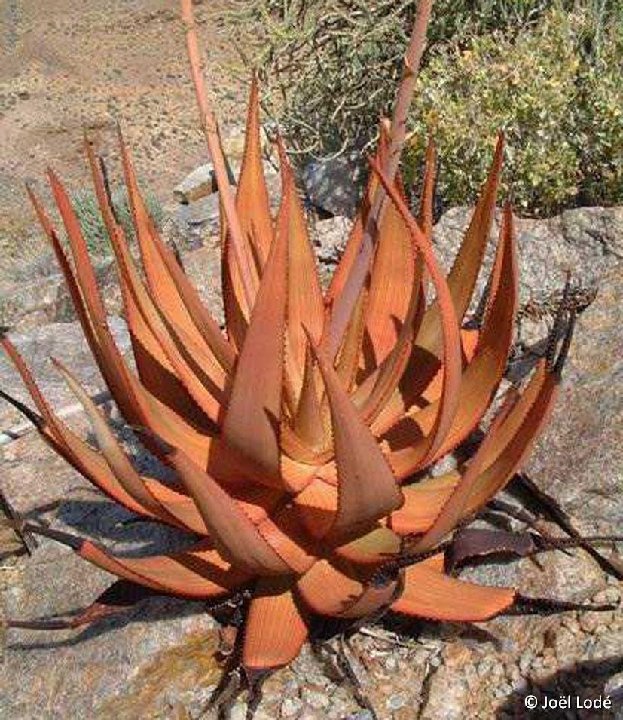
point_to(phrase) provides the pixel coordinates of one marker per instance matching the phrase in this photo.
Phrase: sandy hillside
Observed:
(71, 64)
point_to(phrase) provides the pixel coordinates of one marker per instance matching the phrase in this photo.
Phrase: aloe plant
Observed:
(301, 438)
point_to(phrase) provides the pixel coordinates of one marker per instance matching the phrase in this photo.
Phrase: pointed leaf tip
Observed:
(367, 489)
(251, 421)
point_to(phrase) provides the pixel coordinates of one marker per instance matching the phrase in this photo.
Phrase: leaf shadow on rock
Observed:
(148, 611)
(120, 530)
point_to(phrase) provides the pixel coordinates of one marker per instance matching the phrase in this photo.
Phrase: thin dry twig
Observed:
(345, 303)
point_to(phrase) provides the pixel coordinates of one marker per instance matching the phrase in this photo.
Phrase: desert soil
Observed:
(71, 65)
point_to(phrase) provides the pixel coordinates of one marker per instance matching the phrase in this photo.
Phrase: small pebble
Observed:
(290, 707)
(395, 702)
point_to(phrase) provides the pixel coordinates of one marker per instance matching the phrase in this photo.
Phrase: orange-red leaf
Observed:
(500, 457)
(367, 490)
(195, 573)
(176, 298)
(376, 546)
(372, 395)
(454, 508)
(429, 444)
(308, 423)
(111, 450)
(252, 201)
(480, 378)
(390, 286)
(251, 421)
(231, 529)
(305, 303)
(275, 629)
(137, 405)
(464, 273)
(428, 593)
(326, 590)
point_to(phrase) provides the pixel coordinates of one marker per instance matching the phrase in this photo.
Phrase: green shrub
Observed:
(599, 121)
(92, 224)
(561, 115)
(524, 86)
(327, 68)
(548, 73)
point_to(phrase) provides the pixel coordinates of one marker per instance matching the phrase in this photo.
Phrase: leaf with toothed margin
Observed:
(374, 392)
(376, 546)
(252, 201)
(231, 529)
(171, 290)
(120, 597)
(353, 245)
(172, 358)
(305, 303)
(367, 490)
(326, 590)
(154, 498)
(111, 450)
(256, 225)
(198, 572)
(137, 405)
(93, 324)
(503, 454)
(454, 508)
(425, 501)
(480, 378)
(428, 593)
(275, 629)
(429, 444)
(251, 420)
(308, 423)
(392, 278)
(464, 273)
(122, 484)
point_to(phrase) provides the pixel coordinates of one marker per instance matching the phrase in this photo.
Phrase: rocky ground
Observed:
(83, 65)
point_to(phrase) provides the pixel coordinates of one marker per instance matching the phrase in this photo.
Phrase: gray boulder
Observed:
(586, 241)
(334, 185)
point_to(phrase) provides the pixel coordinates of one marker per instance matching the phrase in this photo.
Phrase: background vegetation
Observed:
(548, 73)
(92, 224)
